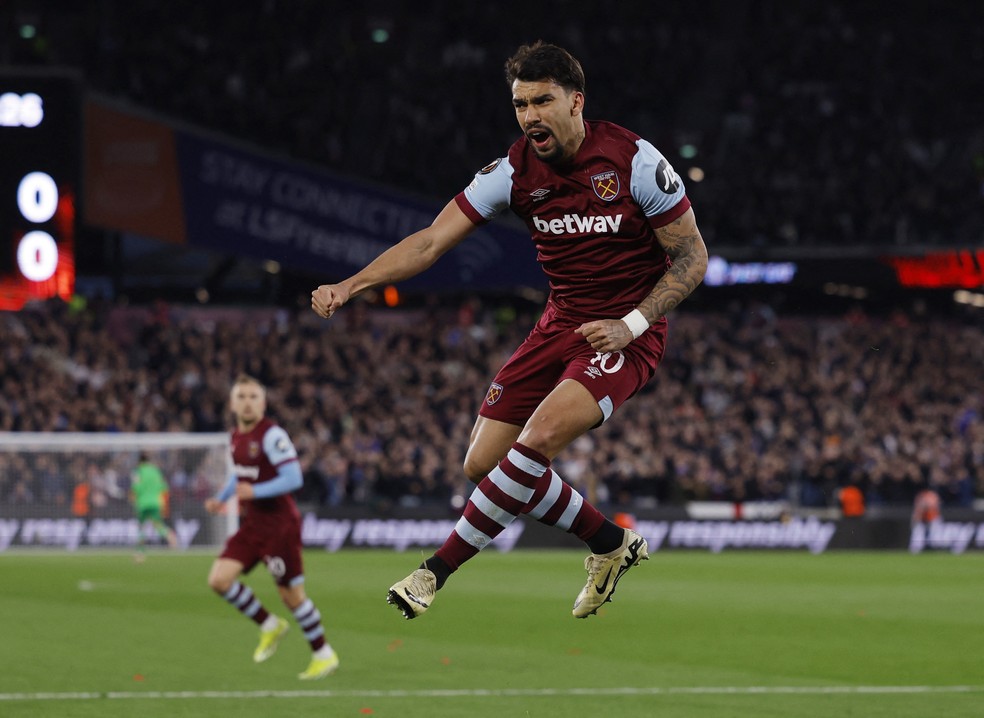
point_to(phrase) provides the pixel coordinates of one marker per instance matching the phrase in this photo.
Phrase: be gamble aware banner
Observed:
(809, 534)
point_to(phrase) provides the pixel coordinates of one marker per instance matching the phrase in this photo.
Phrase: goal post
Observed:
(72, 490)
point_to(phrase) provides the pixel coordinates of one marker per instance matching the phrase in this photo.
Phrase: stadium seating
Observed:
(746, 406)
(818, 126)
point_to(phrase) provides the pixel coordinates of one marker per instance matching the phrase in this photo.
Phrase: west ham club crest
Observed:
(605, 185)
(495, 391)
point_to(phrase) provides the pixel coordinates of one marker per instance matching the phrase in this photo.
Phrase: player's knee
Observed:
(219, 583)
(547, 437)
(476, 470)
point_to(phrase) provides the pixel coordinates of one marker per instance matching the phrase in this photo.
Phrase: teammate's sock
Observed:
(557, 503)
(241, 597)
(440, 569)
(309, 618)
(494, 504)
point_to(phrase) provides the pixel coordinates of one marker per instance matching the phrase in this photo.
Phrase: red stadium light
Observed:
(391, 296)
(940, 270)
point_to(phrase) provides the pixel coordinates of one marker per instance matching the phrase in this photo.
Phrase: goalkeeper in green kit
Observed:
(149, 493)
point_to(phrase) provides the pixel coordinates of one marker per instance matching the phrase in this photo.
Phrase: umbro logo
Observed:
(539, 194)
(593, 371)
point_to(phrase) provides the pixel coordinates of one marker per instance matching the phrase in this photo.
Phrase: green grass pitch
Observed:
(689, 634)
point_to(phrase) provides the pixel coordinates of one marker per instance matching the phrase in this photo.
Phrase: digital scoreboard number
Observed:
(40, 150)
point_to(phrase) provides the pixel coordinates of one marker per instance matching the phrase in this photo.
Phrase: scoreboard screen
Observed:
(40, 150)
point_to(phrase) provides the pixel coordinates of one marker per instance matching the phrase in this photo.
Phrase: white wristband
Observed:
(636, 322)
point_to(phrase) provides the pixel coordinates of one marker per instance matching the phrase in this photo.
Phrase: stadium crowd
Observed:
(746, 406)
(814, 125)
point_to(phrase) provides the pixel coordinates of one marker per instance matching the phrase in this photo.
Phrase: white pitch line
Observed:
(494, 692)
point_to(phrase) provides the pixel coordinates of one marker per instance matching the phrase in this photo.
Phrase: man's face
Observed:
(550, 117)
(248, 403)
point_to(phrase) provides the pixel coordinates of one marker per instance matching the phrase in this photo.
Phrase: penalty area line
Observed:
(494, 692)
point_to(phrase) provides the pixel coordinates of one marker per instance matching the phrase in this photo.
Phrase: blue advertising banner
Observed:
(242, 202)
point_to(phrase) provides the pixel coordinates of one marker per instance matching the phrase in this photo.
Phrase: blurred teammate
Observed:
(265, 473)
(620, 246)
(149, 494)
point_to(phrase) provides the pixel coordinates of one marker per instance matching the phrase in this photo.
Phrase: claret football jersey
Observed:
(593, 222)
(256, 457)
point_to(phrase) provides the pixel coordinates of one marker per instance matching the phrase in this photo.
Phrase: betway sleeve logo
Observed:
(577, 224)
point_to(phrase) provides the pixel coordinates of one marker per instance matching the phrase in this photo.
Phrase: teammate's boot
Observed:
(605, 570)
(320, 667)
(269, 640)
(414, 594)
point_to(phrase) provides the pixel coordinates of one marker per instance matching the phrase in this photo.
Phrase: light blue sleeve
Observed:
(288, 479)
(655, 185)
(228, 490)
(277, 446)
(491, 190)
(282, 454)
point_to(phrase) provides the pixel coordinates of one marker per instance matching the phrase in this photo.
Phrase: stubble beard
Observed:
(553, 158)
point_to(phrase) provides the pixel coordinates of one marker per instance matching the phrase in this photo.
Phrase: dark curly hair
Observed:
(543, 61)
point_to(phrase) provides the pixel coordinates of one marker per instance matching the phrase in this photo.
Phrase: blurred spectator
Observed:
(851, 501)
(81, 505)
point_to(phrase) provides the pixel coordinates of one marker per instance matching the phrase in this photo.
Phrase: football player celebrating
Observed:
(617, 239)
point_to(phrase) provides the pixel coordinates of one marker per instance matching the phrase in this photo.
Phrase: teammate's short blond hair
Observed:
(245, 378)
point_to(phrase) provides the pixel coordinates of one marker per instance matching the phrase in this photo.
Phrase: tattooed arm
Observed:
(681, 240)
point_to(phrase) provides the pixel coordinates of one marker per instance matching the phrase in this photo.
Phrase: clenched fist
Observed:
(327, 298)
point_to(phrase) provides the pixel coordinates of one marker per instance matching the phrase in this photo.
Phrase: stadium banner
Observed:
(796, 533)
(41, 526)
(131, 181)
(154, 178)
(50, 528)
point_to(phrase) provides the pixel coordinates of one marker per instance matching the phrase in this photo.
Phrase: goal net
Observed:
(72, 491)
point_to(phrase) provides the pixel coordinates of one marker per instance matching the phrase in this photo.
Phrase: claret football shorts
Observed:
(278, 546)
(552, 353)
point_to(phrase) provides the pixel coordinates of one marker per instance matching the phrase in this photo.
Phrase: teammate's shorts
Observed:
(278, 545)
(553, 352)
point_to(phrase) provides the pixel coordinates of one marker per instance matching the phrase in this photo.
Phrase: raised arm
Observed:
(408, 258)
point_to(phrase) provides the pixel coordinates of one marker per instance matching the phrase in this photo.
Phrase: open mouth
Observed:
(539, 137)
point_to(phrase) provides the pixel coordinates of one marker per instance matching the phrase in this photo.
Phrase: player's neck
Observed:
(246, 426)
(569, 158)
